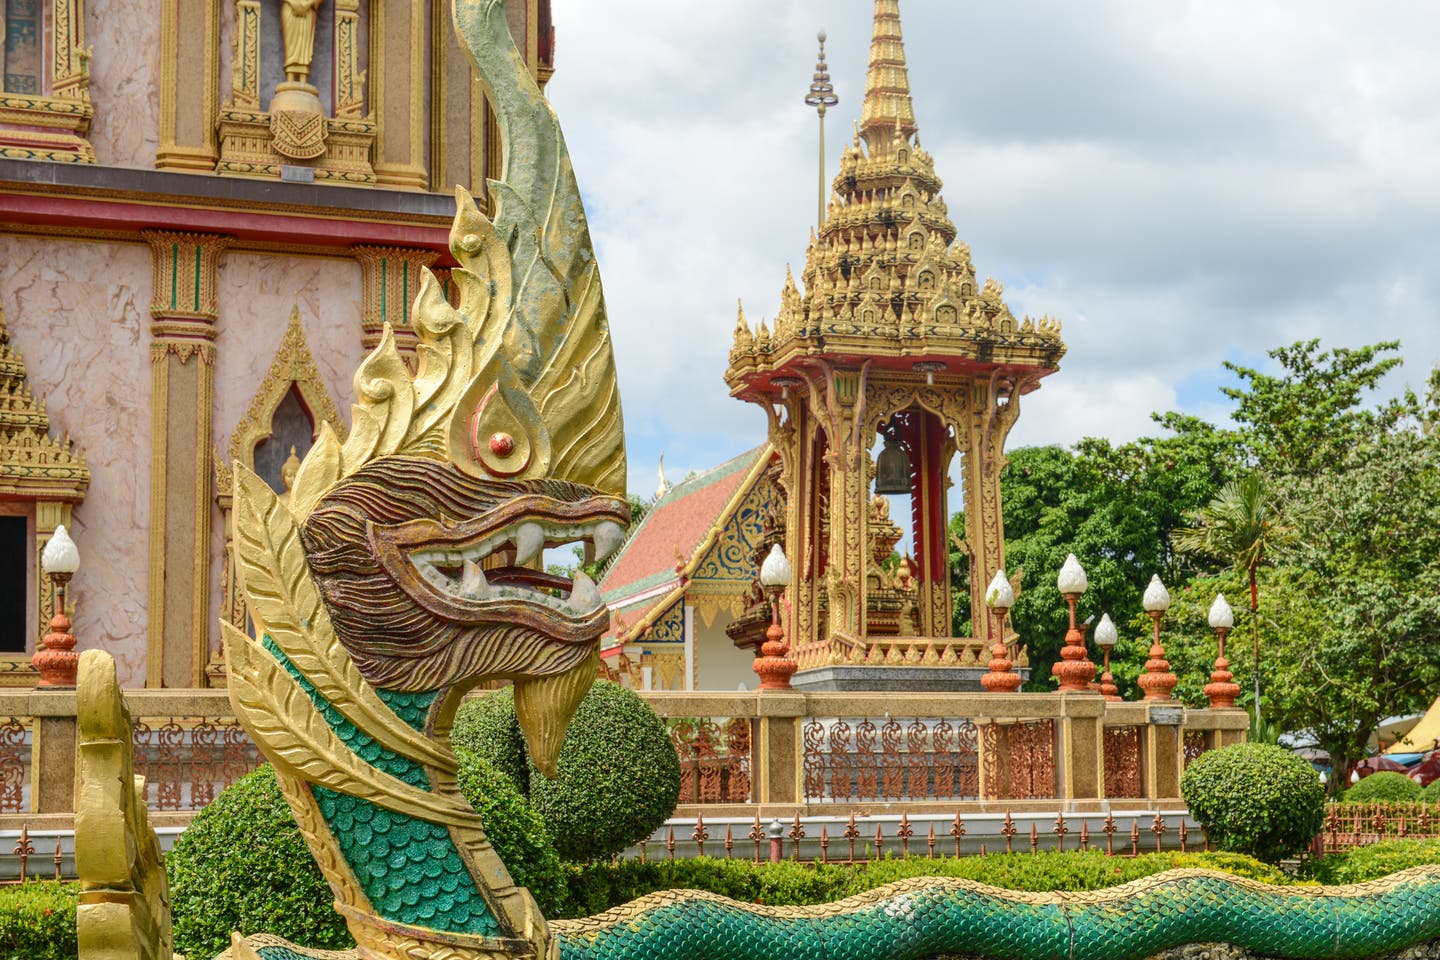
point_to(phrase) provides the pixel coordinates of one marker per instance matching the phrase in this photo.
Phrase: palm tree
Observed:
(1241, 526)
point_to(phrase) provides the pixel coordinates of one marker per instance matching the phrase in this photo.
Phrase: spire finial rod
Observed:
(887, 105)
(821, 97)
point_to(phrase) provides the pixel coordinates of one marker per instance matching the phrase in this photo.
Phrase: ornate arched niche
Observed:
(275, 433)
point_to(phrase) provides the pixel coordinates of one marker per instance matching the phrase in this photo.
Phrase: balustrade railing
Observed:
(783, 751)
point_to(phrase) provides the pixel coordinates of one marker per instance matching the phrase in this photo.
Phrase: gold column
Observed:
(397, 58)
(349, 90)
(390, 281)
(182, 357)
(838, 402)
(189, 84)
(994, 409)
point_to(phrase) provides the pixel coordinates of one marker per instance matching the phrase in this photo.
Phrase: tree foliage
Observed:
(1340, 493)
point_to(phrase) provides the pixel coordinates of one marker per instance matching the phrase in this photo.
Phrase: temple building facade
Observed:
(887, 338)
(209, 209)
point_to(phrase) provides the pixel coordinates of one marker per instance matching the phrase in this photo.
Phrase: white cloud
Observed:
(1180, 183)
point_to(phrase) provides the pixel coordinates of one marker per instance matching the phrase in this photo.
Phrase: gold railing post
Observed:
(1164, 750)
(1081, 772)
(779, 747)
(52, 752)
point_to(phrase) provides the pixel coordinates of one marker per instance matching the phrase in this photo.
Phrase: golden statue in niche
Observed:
(297, 117)
(297, 28)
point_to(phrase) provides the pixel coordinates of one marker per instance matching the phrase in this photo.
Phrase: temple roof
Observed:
(657, 559)
(885, 279)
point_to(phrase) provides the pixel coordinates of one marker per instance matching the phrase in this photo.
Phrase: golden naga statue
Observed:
(399, 570)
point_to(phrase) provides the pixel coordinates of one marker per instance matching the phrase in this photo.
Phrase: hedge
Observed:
(37, 921)
(1377, 860)
(594, 888)
(242, 865)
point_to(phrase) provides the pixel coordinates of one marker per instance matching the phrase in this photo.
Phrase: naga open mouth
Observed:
(477, 570)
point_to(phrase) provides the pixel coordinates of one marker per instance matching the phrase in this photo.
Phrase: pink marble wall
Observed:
(78, 312)
(124, 80)
(256, 292)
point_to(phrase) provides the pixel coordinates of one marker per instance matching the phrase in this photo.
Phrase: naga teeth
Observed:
(529, 541)
(584, 595)
(473, 583)
(607, 539)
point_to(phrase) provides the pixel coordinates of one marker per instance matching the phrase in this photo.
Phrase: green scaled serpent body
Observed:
(929, 917)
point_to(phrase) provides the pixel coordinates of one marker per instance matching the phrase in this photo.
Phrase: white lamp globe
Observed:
(1221, 616)
(1072, 577)
(1157, 598)
(999, 595)
(775, 572)
(1106, 636)
(60, 554)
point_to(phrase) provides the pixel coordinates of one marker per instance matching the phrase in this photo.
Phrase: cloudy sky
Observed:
(1180, 182)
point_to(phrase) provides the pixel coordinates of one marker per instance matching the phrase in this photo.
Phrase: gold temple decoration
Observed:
(295, 128)
(51, 121)
(124, 911)
(506, 436)
(37, 468)
(887, 326)
(292, 369)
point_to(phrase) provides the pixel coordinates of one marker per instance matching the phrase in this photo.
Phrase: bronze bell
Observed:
(892, 469)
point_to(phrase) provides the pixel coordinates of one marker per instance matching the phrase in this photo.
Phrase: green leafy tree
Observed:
(1242, 526)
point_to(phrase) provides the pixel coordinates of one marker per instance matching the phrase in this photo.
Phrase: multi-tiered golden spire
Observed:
(888, 328)
(887, 85)
(885, 276)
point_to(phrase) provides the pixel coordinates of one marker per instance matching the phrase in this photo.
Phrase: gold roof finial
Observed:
(887, 85)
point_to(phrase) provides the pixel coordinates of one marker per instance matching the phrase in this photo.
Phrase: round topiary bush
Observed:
(242, 865)
(1255, 798)
(1387, 785)
(515, 830)
(1431, 793)
(617, 779)
(486, 727)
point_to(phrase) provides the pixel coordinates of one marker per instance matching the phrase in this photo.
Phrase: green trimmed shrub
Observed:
(1255, 799)
(242, 865)
(37, 921)
(1376, 860)
(486, 726)
(1431, 792)
(515, 830)
(597, 887)
(617, 778)
(1388, 785)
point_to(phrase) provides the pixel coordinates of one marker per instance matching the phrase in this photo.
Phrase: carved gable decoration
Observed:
(293, 368)
(33, 465)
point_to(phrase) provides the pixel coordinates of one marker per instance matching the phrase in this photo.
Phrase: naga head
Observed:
(424, 529)
(404, 566)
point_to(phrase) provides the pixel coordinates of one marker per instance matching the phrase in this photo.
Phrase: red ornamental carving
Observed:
(502, 444)
(1001, 679)
(774, 665)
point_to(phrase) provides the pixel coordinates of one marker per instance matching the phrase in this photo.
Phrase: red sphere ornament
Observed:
(502, 444)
